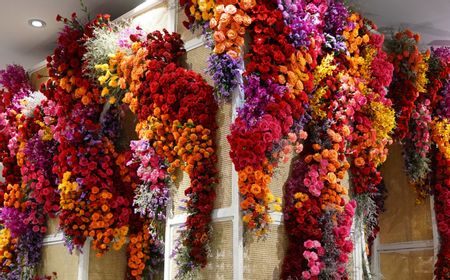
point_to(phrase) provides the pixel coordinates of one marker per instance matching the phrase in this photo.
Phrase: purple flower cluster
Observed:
(336, 18)
(40, 152)
(298, 20)
(443, 108)
(151, 201)
(29, 253)
(257, 95)
(156, 250)
(110, 122)
(335, 23)
(225, 72)
(13, 219)
(443, 53)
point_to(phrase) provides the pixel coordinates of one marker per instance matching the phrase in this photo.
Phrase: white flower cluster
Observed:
(30, 102)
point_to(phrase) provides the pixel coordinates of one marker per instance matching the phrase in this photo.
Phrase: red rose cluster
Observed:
(442, 209)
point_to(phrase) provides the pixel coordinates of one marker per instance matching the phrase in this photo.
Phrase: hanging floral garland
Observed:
(95, 185)
(314, 194)
(274, 100)
(176, 124)
(373, 121)
(413, 106)
(29, 195)
(440, 133)
(286, 91)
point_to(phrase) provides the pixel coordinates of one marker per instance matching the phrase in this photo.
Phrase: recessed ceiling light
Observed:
(37, 23)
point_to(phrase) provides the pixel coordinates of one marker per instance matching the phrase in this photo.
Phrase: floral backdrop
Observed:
(317, 82)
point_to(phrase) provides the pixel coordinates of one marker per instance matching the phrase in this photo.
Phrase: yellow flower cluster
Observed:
(422, 69)
(316, 103)
(66, 186)
(360, 66)
(383, 119)
(365, 70)
(295, 74)
(47, 132)
(202, 10)
(7, 245)
(68, 192)
(324, 69)
(441, 136)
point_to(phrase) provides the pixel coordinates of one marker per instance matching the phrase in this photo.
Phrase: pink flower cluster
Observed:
(312, 255)
(342, 235)
(313, 178)
(287, 146)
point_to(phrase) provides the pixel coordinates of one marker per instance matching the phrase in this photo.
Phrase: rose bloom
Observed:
(220, 9)
(230, 9)
(309, 244)
(359, 162)
(231, 34)
(224, 18)
(247, 4)
(219, 48)
(238, 19)
(212, 23)
(247, 20)
(233, 54)
(219, 36)
(306, 275)
(239, 41)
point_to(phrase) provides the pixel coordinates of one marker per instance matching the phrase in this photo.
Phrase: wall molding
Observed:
(194, 43)
(406, 246)
(53, 239)
(83, 261)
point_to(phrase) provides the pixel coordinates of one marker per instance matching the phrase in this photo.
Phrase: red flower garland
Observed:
(405, 87)
(441, 190)
(96, 187)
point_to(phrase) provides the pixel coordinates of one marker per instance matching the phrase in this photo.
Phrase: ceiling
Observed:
(25, 45)
(22, 44)
(429, 18)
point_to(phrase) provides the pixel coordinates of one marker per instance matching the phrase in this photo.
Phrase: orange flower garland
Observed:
(176, 115)
(139, 251)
